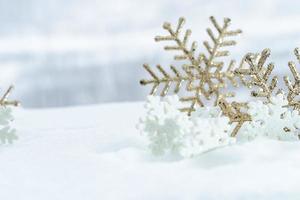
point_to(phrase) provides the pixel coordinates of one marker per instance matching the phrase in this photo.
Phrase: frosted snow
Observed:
(93, 153)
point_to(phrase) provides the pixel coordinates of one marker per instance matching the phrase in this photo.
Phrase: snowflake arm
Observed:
(215, 50)
(235, 114)
(167, 79)
(181, 44)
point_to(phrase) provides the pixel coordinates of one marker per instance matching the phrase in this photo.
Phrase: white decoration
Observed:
(171, 131)
(209, 131)
(7, 134)
(164, 125)
(273, 120)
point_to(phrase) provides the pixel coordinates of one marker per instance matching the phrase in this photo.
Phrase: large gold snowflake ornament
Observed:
(202, 74)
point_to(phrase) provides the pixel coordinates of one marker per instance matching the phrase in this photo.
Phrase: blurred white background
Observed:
(73, 52)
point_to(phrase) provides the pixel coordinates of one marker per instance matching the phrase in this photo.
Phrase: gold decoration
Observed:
(5, 102)
(294, 89)
(234, 112)
(202, 74)
(258, 74)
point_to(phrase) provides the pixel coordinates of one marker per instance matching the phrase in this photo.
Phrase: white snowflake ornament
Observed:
(273, 120)
(171, 131)
(7, 134)
(164, 125)
(210, 130)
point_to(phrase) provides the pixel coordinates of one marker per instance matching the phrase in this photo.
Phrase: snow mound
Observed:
(95, 152)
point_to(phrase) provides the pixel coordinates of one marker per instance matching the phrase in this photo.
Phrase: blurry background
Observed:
(73, 52)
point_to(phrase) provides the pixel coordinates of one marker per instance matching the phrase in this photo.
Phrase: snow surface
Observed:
(93, 153)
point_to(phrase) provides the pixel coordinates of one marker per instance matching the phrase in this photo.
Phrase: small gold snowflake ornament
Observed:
(261, 77)
(258, 74)
(293, 89)
(202, 74)
(5, 102)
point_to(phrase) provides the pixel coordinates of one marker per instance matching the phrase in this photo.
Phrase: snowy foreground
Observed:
(95, 153)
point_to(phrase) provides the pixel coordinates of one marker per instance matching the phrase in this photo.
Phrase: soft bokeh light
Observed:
(74, 52)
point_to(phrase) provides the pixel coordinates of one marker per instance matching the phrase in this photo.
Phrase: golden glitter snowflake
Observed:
(5, 102)
(203, 74)
(257, 74)
(294, 89)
